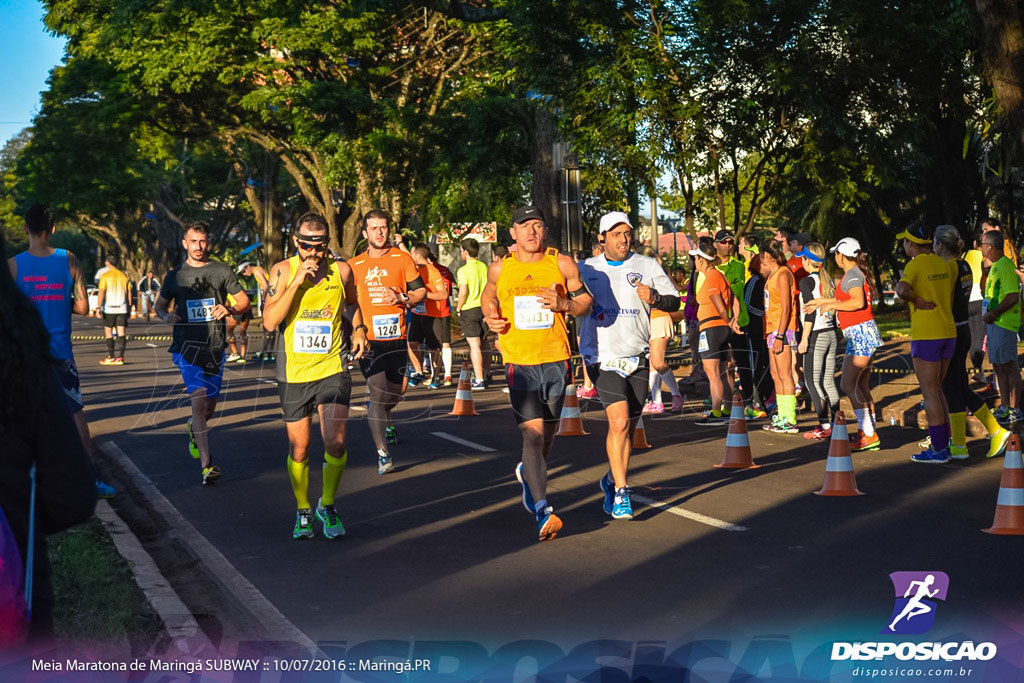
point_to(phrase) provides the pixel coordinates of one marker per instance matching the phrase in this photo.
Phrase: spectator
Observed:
(149, 287)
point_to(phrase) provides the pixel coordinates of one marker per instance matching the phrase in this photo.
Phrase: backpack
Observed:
(16, 578)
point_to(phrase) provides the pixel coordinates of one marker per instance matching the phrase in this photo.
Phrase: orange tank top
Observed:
(535, 334)
(772, 303)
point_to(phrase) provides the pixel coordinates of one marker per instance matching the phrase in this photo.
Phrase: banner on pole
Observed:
(456, 232)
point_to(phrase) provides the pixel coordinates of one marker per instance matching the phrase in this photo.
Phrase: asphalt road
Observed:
(442, 549)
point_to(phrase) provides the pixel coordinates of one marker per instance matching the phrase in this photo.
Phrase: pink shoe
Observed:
(584, 392)
(677, 404)
(653, 408)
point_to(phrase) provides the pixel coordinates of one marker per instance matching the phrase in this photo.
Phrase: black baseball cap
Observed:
(527, 213)
(723, 235)
(802, 238)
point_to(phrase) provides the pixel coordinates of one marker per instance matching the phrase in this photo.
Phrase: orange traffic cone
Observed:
(464, 393)
(570, 423)
(839, 477)
(737, 442)
(640, 436)
(1009, 520)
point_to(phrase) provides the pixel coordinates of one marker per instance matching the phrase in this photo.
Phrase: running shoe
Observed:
(774, 421)
(932, 456)
(527, 496)
(506, 390)
(333, 528)
(193, 448)
(108, 361)
(712, 420)
(210, 474)
(548, 524)
(608, 486)
(1001, 414)
(997, 443)
(865, 443)
(651, 408)
(478, 385)
(119, 361)
(752, 413)
(783, 427)
(240, 360)
(303, 524)
(232, 357)
(819, 433)
(447, 380)
(434, 384)
(1016, 415)
(958, 452)
(391, 434)
(623, 507)
(384, 463)
(677, 404)
(586, 392)
(104, 490)
(415, 379)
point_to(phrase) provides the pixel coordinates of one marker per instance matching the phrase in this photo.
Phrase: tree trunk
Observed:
(544, 190)
(1001, 31)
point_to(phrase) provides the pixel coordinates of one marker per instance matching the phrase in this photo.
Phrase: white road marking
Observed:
(150, 345)
(694, 516)
(463, 442)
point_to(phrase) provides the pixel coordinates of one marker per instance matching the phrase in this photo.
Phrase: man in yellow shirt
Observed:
(471, 279)
(115, 301)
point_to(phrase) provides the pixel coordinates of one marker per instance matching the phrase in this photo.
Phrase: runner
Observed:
(247, 269)
(780, 333)
(660, 329)
(115, 300)
(309, 297)
(386, 282)
(430, 320)
(199, 288)
(238, 343)
(714, 324)
(819, 343)
(52, 280)
(760, 403)
(445, 329)
(1002, 320)
(527, 297)
(955, 385)
(852, 304)
(735, 272)
(472, 278)
(614, 342)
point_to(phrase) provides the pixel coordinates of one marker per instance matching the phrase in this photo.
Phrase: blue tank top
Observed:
(47, 282)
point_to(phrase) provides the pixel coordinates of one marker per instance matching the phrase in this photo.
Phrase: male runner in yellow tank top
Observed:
(525, 301)
(308, 297)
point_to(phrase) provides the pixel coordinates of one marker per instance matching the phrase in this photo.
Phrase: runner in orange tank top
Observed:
(527, 297)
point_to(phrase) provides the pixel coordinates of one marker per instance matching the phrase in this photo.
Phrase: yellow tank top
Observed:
(311, 339)
(535, 334)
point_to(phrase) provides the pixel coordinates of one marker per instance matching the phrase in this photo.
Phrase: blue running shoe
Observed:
(415, 379)
(391, 433)
(623, 507)
(328, 515)
(104, 490)
(527, 496)
(608, 486)
(548, 524)
(932, 456)
(384, 463)
(434, 384)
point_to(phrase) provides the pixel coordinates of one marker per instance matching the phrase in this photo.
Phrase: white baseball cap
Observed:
(847, 247)
(611, 219)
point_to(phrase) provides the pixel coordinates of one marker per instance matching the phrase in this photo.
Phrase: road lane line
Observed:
(152, 346)
(694, 516)
(463, 442)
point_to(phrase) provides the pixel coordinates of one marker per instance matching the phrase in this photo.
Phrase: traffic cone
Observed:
(570, 423)
(464, 393)
(839, 477)
(640, 436)
(1009, 520)
(737, 441)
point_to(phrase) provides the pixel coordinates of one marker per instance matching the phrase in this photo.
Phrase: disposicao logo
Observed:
(916, 594)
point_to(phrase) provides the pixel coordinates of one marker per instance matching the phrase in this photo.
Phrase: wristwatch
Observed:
(404, 297)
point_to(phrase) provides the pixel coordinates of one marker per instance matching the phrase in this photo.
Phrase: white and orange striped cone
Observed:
(1009, 519)
(570, 422)
(737, 441)
(640, 442)
(839, 477)
(464, 393)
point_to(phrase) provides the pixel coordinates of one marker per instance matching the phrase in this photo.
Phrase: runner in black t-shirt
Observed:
(199, 289)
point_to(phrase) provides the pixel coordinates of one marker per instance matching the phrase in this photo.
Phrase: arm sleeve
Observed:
(411, 273)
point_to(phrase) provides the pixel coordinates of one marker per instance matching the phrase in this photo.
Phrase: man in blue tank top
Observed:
(52, 279)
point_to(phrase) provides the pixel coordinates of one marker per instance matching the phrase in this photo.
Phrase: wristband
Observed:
(362, 327)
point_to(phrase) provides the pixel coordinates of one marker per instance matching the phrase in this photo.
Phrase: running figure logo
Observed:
(914, 608)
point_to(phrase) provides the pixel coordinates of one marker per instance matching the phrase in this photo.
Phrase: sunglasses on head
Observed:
(311, 246)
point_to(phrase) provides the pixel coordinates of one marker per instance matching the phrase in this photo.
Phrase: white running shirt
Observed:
(619, 324)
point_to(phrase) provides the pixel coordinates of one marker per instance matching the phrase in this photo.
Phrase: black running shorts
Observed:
(300, 400)
(389, 357)
(537, 392)
(613, 387)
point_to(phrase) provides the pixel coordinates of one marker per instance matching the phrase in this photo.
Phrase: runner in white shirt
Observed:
(614, 341)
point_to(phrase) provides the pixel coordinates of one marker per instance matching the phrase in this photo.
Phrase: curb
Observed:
(244, 596)
(179, 625)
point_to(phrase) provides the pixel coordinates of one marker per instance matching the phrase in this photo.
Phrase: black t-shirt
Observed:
(962, 291)
(198, 337)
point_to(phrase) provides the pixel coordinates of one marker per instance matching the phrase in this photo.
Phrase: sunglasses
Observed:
(726, 242)
(311, 246)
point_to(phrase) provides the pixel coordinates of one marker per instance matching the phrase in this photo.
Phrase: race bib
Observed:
(311, 337)
(386, 326)
(622, 366)
(530, 314)
(200, 310)
(702, 344)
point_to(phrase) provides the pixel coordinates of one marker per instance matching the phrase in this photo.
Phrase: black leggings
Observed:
(977, 339)
(955, 384)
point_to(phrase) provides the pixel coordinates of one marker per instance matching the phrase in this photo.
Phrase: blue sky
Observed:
(28, 52)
